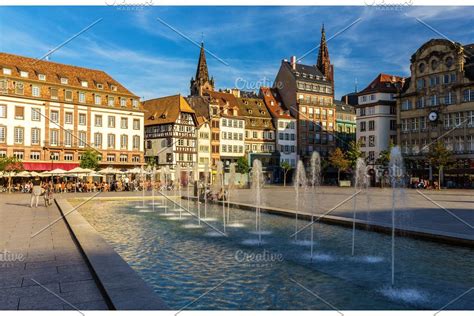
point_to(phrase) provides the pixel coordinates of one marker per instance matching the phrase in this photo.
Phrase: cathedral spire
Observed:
(201, 81)
(324, 64)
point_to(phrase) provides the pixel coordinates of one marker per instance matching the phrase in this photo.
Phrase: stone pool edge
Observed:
(408, 231)
(124, 288)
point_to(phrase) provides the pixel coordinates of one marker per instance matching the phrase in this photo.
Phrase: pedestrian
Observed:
(36, 192)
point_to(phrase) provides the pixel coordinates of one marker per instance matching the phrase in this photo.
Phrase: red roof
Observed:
(274, 104)
(382, 83)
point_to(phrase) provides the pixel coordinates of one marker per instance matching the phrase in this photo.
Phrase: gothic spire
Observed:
(201, 81)
(324, 64)
(201, 71)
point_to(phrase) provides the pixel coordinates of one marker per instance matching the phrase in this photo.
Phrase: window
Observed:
(97, 99)
(41, 77)
(68, 118)
(393, 125)
(35, 155)
(68, 156)
(111, 121)
(82, 119)
(67, 138)
(98, 140)
(18, 154)
(135, 103)
(123, 122)
(136, 124)
(362, 126)
(54, 93)
(371, 125)
(24, 74)
(35, 114)
(54, 116)
(84, 84)
(3, 85)
(82, 139)
(35, 91)
(113, 87)
(3, 134)
(3, 111)
(68, 95)
(111, 140)
(82, 97)
(54, 137)
(7, 71)
(19, 88)
(64, 81)
(406, 105)
(110, 157)
(19, 112)
(123, 102)
(98, 121)
(137, 158)
(123, 158)
(110, 101)
(124, 141)
(35, 136)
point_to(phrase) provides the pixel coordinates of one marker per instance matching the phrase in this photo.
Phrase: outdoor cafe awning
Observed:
(47, 166)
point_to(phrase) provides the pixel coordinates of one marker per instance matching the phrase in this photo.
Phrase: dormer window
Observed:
(135, 103)
(64, 81)
(271, 103)
(42, 77)
(123, 102)
(113, 87)
(250, 111)
(100, 86)
(24, 74)
(110, 101)
(7, 71)
(84, 84)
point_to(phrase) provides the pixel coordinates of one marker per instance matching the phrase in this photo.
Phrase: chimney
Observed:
(346, 99)
(293, 62)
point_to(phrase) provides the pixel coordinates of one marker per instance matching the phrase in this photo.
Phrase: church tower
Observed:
(201, 82)
(324, 64)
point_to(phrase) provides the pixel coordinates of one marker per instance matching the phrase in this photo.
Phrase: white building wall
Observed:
(227, 142)
(287, 127)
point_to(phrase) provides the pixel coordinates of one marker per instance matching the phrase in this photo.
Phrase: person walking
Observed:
(35, 192)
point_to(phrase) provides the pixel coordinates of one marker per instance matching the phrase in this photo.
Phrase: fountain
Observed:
(396, 171)
(220, 187)
(231, 187)
(257, 184)
(206, 183)
(142, 181)
(315, 183)
(196, 181)
(300, 182)
(360, 183)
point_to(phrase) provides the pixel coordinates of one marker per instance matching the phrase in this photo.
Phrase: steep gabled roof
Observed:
(274, 104)
(165, 110)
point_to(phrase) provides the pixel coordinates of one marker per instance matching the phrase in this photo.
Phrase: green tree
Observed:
(243, 165)
(286, 167)
(90, 159)
(353, 152)
(384, 157)
(10, 165)
(440, 157)
(339, 161)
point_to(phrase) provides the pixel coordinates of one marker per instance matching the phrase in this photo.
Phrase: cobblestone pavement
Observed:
(33, 267)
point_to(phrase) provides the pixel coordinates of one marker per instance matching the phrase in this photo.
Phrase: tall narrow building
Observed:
(201, 83)
(308, 92)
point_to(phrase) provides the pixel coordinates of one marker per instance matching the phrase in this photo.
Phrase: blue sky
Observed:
(153, 61)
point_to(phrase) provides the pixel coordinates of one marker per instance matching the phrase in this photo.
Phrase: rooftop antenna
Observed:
(202, 37)
(355, 85)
